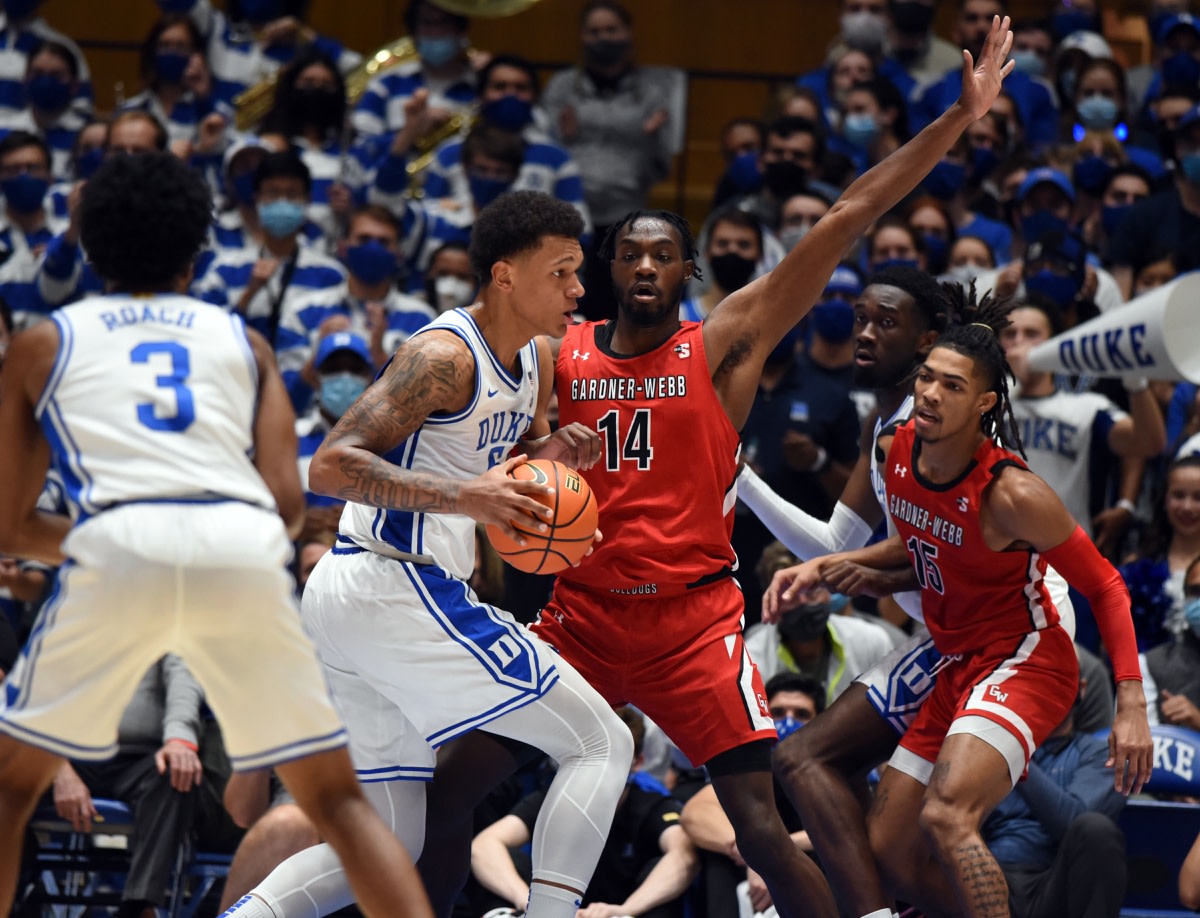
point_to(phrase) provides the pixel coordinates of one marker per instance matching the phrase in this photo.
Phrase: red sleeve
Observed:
(1085, 569)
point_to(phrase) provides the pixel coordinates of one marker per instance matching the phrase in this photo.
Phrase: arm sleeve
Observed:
(1086, 570)
(804, 535)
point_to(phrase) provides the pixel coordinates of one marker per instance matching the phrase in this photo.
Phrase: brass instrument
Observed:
(426, 147)
(251, 106)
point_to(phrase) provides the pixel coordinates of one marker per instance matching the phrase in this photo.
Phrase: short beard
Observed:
(644, 318)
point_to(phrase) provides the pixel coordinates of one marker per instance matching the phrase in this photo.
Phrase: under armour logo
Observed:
(901, 470)
(684, 350)
(963, 504)
(558, 617)
(577, 355)
(994, 691)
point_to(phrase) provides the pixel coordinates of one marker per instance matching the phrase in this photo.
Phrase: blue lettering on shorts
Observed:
(897, 688)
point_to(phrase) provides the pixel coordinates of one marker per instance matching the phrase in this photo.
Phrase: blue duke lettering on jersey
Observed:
(500, 431)
(1051, 436)
(153, 313)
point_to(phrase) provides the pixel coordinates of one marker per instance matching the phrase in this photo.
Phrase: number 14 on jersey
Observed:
(626, 444)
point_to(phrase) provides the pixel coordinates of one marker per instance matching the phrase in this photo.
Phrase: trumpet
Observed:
(426, 147)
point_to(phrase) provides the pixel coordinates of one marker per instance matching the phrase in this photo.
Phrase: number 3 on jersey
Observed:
(633, 447)
(173, 380)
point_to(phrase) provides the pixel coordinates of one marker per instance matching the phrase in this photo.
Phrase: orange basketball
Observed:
(572, 526)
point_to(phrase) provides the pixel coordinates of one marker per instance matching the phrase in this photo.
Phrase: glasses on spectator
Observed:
(1191, 590)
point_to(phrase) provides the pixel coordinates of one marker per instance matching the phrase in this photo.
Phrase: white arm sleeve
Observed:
(805, 536)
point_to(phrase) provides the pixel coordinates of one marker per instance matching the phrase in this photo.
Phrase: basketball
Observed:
(572, 525)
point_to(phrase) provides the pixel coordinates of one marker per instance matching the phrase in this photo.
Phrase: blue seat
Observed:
(1158, 836)
(199, 875)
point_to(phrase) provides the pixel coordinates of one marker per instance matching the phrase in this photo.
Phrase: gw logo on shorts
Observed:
(994, 692)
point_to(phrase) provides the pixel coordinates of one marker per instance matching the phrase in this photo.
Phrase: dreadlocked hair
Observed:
(974, 332)
(608, 247)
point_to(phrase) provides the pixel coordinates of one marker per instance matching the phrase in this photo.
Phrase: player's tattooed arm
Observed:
(430, 374)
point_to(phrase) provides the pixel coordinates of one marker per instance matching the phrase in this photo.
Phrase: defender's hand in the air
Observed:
(982, 78)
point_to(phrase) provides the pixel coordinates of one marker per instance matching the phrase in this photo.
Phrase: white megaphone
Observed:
(1156, 335)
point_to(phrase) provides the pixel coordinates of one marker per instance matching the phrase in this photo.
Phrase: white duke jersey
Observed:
(151, 398)
(1060, 433)
(463, 445)
(878, 484)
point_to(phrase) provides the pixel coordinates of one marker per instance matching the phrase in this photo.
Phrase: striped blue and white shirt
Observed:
(238, 62)
(380, 111)
(59, 136)
(14, 58)
(20, 255)
(547, 168)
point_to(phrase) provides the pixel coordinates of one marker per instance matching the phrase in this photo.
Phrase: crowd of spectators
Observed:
(338, 232)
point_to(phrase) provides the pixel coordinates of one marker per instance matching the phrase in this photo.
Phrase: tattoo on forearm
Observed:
(430, 375)
(980, 881)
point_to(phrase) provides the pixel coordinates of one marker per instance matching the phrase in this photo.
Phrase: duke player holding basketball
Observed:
(653, 617)
(413, 658)
(974, 523)
(172, 432)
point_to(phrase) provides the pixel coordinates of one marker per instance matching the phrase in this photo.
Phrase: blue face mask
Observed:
(1029, 62)
(508, 113)
(19, 9)
(1191, 612)
(47, 93)
(243, 188)
(261, 10)
(484, 190)
(937, 254)
(1040, 222)
(1181, 68)
(281, 218)
(1062, 289)
(833, 320)
(1064, 22)
(945, 180)
(787, 726)
(25, 193)
(87, 162)
(1111, 217)
(743, 173)
(860, 128)
(896, 263)
(371, 262)
(339, 390)
(1097, 112)
(983, 161)
(1090, 174)
(169, 66)
(1190, 164)
(437, 52)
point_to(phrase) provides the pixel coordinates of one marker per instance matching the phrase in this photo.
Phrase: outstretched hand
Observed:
(981, 79)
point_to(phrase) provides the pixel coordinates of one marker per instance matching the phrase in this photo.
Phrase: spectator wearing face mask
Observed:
(27, 225)
(1167, 221)
(368, 304)
(799, 214)
(441, 70)
(821, 640)
(22, 29)
(51, 82)
(449, 281)
(969, 257)
(310, 116)
(1176, 57)
(344, 368)
(1171, 672)
(953, 181)
(249, 40)
(507, 94)
(1123, 186)
(741, 145)
(873, 123)
(831, 325)
(733, 250)
(179, 93)
(1099, 106)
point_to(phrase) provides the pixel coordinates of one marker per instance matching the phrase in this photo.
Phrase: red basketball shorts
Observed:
(679, 659)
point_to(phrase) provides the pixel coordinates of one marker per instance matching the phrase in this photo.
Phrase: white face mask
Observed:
(964, 274)
(863, 30)
(450, 292)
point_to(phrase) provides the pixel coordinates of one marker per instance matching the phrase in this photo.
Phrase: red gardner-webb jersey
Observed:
(665, 478)
(972, 596)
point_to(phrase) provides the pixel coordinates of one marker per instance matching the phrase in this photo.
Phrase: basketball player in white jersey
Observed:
(413, 658)
(173, 434)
